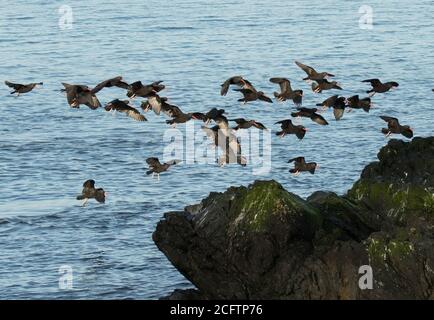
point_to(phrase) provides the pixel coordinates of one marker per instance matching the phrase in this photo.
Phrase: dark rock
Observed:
(262, 242)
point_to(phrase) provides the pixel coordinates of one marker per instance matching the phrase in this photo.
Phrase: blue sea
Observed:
(47, 149)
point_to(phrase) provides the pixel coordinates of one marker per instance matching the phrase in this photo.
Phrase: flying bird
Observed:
(393, 126)
(90, 192)
(252, 95)
(289, 128)
(178, 116)
(324, 84)
(139, 89)
(355, 102)
(300, 165)
(286, 91)
(124, 107)
(379, 87)
(156, 167)
(312, 74)
(247, 124)
(213, 114)
(329, 102)
(237, 81)
(77, 94)
(22, 88)
(339, 108)
(310, 113)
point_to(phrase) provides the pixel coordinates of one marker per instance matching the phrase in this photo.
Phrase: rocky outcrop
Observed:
(263, 242)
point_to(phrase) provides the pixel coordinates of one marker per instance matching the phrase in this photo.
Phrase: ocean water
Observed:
(47, 150)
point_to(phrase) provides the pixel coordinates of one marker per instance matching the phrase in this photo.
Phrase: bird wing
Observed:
(338, 113)
(389, 119)
(172, 111)
(116, 81)
(263, 97)
(309, 70)
(71, 93)
(90, 100)
(373, 82)
(259, 125)
(237, 80)
(15, 86)
(284, 84)
(297, 160)
(238, 120)
(135, 114)
(319, 119)
(173, 162)
(285, 124)
(153, 162)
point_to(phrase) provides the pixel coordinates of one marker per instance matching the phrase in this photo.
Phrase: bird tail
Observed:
(80, 197)
(149, 172)
(279, 133)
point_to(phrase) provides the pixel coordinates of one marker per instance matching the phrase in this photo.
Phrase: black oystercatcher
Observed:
(289, 128)
(393, 126)
(286, 91)
(90, 192)
(22, 88)
(300, 165)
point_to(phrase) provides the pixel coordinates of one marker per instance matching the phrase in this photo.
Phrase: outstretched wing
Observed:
(113, 82)
(153, 162)
(309, 70)
(297, 160)
(373, 82)
(259, 125)
(284, 84)
(15, 86)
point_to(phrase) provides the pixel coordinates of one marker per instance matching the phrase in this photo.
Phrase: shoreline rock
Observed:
(263, 242)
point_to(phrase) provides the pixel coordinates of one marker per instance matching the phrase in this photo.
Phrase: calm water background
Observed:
(47, 149)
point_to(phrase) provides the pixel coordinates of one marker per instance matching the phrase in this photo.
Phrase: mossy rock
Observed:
(396, 202)
(266, 203)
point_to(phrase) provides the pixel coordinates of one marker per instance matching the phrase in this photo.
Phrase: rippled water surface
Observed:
(47, 149)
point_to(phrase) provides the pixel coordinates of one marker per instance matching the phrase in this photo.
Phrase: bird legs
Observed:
(85, 202)
(296, 174)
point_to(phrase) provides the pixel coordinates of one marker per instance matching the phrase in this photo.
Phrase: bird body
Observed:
(138, 89)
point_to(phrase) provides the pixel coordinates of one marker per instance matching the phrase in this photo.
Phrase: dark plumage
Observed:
(289, 128)
(252, 95)
(324, 84)
(22, 88)
(355, 102)
(379, 87)
(339, 108)
(329, 102)
(300, 165)
(286, 91)
(247, 124)
(310, 113)
(178, 116)
(138, 89)
(213, 114)
(237, 81)
(90, 192)
(393, 126)
(312, 74)
(77, 94)
(124, 107)
(155, 167)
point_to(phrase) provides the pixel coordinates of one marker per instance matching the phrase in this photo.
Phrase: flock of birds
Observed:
(222, 134)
